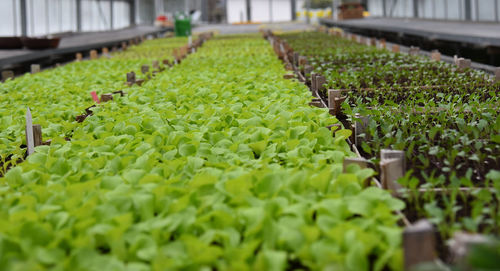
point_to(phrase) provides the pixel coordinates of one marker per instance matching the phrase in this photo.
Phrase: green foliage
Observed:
(57, 96)
(215, 164)
(445, 120)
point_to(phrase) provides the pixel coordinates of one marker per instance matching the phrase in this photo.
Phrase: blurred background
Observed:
(463, 28)
(42, 17)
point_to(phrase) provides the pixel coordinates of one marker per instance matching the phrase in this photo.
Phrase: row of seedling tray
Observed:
(33, 132)
(430, 129)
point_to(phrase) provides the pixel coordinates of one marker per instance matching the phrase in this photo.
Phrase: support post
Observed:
(249, 10)
(294, 9)
(468, 10)
(111, 14)
(415, 8)
(496, 11)
(79, 15)
(24, 18)
(308, 9)
(270, 10)
(133, 10)
(384, 8)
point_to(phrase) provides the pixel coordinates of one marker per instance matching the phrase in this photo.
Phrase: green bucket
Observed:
(182, 26)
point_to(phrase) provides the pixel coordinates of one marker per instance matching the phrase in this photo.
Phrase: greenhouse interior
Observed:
(159, 135)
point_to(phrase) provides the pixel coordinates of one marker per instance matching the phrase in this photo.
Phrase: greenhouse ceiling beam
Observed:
(24, 18)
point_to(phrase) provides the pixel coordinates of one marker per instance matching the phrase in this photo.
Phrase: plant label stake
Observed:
(79, 56)
(497, 74)
(144, 69)
(106, 97)
(302, 60)
(313, 83)
(29, 133)
(395, 48)
(360, 126)
(156, 65)
(419, 244)
(7, 74)
(316, 102)
(94, 96)
(37, 135)
(463, 64)
(282, 49)
(320, 81)
(435, 55)
(392, 167)
(33, 133)
(93, 54)
(35, 68)
(334, 96)
(139, 82)
(382, 43)
(414, 51)
(131, 78)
